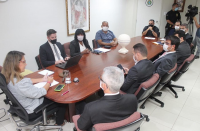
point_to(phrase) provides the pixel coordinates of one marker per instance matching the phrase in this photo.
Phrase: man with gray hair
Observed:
(105, 37)
(188, 37)
(112, 106)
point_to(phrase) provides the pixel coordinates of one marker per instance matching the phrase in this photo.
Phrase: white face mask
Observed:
(80, 37)
(165, 47)
(100, 85)
(177, 27)
(183, 30)
(135, 60)
(105, 28)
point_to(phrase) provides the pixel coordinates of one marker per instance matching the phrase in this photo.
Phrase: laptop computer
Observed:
(71, 62)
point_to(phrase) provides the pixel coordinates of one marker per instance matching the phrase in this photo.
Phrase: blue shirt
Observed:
(171, 32)
(105, 37)
(198, 32)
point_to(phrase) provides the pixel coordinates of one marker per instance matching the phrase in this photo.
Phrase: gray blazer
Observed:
(29, 96)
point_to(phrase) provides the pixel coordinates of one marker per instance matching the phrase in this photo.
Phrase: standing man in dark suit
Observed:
(151, 30)
(112, 106)
(52, 52)
(183, 51)
(168, 59)
(171, 17)
(142, 71)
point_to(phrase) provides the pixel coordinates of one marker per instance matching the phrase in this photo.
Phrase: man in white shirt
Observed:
(112, 106)
(52, 52)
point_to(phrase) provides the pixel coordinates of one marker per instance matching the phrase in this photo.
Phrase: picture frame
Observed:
(181, 5)
(78, 15)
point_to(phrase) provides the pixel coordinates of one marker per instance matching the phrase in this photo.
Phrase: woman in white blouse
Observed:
(29, 96)
(80, 44)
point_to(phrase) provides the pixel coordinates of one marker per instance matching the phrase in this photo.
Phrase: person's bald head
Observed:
(105, 23)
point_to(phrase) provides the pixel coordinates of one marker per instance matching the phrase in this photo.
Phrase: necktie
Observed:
(56, 51)
(160, 57)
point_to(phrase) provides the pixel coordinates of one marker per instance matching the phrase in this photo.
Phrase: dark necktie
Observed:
(56, 51)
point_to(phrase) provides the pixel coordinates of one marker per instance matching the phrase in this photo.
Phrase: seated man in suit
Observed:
(168, 59)
(188, 37)
(112, 106)
(142, 71)
(176, 28)
(183, 51)
(105, 37)
(151, 30)
(52, 52)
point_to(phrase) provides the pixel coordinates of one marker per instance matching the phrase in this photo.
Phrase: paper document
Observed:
(103, 49)
(150, 38)
(162, 39)
(158, 43)
(44, 72)
(42, 84)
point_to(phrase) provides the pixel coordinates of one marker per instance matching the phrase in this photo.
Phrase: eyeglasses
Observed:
(102, 80)
(23, 61)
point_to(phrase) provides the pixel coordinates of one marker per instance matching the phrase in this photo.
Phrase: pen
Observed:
(65, 93)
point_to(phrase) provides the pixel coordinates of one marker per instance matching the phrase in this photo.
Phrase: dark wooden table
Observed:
(89, 68)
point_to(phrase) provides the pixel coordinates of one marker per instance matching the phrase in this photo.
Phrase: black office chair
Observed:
(164, 80)
(39, 63)
(16, 109)
(181, 70)
(146, 89)
(95, 44)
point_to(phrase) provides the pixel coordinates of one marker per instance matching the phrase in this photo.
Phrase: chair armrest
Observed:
(42, 107)
(75, 119)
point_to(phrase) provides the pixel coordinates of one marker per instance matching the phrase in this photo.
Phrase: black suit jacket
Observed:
(139, 73)
(165, 63)
(183, 52)
(75, 48)
(188, 38)
(107, 109)
(47, 56)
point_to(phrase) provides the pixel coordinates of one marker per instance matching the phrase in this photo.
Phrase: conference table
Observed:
(89, 68)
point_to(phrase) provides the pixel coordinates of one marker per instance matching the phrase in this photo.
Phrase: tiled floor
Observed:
(178, 114)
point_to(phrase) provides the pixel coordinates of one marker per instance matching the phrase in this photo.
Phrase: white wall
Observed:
(24, 23)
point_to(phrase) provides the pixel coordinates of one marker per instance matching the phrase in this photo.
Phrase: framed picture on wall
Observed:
(181, 4)
(78, 15)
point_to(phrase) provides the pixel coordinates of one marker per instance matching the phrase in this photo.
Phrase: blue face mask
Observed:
(176, 9)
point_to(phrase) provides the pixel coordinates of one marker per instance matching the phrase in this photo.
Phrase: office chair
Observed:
(164, 80)
(67, 49)
(95, 44)
(39, 63)
(181, 70)
(16, 109)
(132, 123)
(146, 89)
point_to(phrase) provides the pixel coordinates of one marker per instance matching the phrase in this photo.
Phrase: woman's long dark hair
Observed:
(78, 32)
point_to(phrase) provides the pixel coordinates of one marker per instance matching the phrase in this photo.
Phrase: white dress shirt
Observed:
(107, 94)
(82, 47)
(54, 53)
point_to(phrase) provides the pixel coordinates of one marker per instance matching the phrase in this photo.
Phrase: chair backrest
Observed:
(165, 79)
(67, 49)
(15, 106)
(132, 123)
(146, 88)
(183, 68)
(95, 44)
(0, 68)
(39, 63)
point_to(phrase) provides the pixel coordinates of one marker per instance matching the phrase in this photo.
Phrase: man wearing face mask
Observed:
(79, 44)
(52, 52)
(105, 37)
(168, 59)
(151, 30)
(140, 72)
(188, 37)
(183, 51)
(112, 106)
(177, 27)
(172, 16)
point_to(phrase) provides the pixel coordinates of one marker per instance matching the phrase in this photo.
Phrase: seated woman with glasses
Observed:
(80, 44)
(29, 96)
